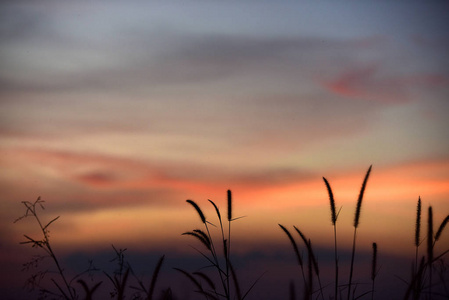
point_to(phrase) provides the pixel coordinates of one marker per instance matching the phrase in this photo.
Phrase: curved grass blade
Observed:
(295, 246)
(206, 278)
(236, 282)
(154, 277)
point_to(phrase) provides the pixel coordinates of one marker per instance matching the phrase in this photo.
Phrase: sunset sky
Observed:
(117, 112)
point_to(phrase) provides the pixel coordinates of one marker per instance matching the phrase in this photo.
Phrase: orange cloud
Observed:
(390, 196)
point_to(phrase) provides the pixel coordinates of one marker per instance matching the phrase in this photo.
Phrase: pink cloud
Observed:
(369, 83)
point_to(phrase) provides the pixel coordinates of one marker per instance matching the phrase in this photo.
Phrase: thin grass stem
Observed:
(356, 224)
(334, 223)
(373, 269)
(430, 247)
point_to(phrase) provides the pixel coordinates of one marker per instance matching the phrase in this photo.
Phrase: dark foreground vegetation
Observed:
(217, 277)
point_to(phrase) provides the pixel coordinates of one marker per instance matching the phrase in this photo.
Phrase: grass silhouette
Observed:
(334, 217)
(218, 279)
(219, 261)
(63, 287)
(421, 278)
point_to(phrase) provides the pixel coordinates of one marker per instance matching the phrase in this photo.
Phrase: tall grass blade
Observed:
(315, 266)
(154, 277)
(334, 216)
(373, 269)
(309, 287)
(236, 282)
(356, 224)
(291, 291)
(415, 285)
(430, 247)
(253, 285)
(295, 247)
(197, 284)
(228, 241)
(206, 278)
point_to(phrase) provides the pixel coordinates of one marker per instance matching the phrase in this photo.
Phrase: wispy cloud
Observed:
(368, 83)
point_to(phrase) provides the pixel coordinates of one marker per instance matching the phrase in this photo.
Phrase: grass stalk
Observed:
(296, 250)
(227, 258)
(430, 248)
(356, 224)
(373, 269)
(334, 217)
(69, 292)
(226, 274)
(311, 258)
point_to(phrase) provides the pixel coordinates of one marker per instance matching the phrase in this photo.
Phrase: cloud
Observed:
(118, 181)
(369, 83)
(68, 52)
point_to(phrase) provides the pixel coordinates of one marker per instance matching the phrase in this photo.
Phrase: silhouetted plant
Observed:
(64, 289)
(312, 261)
(356, 224)
(334, 217)
(373, 269)
(149, 292)
(426, 276)
(223, 266)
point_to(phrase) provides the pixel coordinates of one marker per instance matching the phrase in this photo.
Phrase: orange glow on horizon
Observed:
(390, 196)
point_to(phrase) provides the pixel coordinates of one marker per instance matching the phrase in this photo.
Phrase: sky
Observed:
(115, 113)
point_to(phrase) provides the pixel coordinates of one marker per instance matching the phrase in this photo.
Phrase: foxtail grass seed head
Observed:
(303, 237)
(441, 228)
(216, 209)
(197, 208)
(332, 202)
(229, 205)
(418, 222)
(359, 200)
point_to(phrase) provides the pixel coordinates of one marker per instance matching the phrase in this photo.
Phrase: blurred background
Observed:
(117, 112)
